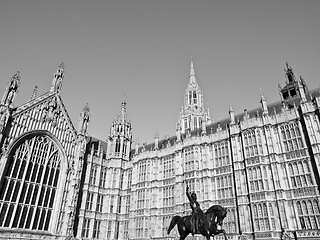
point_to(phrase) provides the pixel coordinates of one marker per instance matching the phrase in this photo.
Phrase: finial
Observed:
(86, 108)
(230, 108)
(17, 75)
(57, 79)
(84, 120)
(288, 67)
(34, 93)
(262, 96)
(231, 113)
(192, 72)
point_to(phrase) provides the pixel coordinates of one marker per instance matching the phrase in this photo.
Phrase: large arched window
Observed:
(29, 184)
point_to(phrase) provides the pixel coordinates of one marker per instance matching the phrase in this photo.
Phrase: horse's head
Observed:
(221, 215)
(218, 213)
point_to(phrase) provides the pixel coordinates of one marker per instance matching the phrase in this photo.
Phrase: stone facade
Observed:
(57, 182)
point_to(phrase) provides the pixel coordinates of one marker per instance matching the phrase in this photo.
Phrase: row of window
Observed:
(309, 214)
(112, 176)
(263, 219)
(86, 228)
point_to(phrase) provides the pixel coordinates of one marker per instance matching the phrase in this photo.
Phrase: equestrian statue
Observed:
(204, 223)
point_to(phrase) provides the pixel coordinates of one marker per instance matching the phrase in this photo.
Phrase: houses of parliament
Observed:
(262, 165)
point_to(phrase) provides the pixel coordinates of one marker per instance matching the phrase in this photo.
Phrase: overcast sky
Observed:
(142, 48)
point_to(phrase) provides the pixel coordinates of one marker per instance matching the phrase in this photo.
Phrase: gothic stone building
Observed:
(58, 182)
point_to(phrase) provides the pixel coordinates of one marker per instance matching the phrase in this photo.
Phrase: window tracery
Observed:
(30, 184)
(261, 217)
(308, 214)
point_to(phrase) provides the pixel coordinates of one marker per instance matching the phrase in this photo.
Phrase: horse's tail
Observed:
(173, 222)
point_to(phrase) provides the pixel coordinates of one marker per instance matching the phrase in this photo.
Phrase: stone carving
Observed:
(57, 79)
(4, 116)
(84, 120)
(11, 90)
(51, 111)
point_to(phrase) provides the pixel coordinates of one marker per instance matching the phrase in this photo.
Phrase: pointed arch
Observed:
(32, 182)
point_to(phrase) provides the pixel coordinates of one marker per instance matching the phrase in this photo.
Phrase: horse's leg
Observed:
(225, 234)
(183, 231)
(183, 235)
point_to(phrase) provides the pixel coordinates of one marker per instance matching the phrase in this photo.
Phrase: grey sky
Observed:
(143, 49)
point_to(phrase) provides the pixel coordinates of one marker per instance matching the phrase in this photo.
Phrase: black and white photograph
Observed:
(159, 120)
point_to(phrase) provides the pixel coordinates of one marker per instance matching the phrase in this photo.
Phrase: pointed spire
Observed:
(86, 109)
(231, 114)
(156, 140)
(262, 96)
(123, 111)
(263, 102)
(34, 93)
(301, 90)
(289, 73)
(192, 72)
(192, 76)
(11, 90)
(57, 79)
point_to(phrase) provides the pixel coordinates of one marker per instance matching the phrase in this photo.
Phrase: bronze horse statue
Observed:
(208, 226)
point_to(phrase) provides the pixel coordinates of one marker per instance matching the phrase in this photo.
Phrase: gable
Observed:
(45, 113)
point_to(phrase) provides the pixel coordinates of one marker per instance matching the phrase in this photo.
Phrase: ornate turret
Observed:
(84, 120)
(292, 89)
(193, 112)
(120, 136)
(264, 105)
(11, 90)
(57, 79)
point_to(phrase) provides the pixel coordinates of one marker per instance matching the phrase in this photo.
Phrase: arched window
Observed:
(30, 184)
(125, 148)
(194, 97)
(118, 145)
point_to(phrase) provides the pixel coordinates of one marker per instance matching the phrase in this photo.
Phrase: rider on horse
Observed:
(197, 213)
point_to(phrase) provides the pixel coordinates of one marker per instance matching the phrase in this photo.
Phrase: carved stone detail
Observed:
(51, 111)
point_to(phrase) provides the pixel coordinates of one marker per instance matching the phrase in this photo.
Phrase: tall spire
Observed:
(192, 72)
(122, 117)
(193, 111)
(192, 76)
(120, 136)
